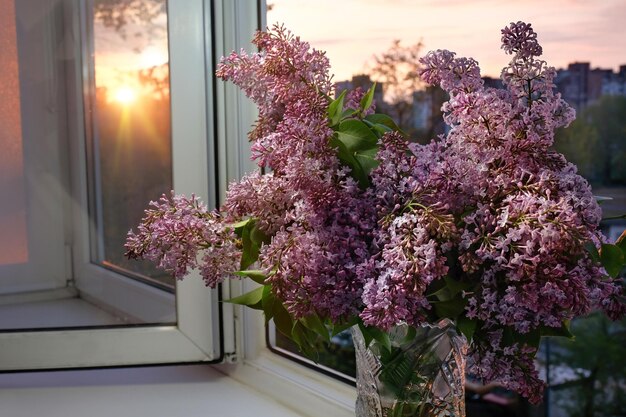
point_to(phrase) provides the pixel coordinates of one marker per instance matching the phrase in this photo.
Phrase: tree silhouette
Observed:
(136, 18)
(596, 141)
(597, 357)
(156, 80)
(397, 70)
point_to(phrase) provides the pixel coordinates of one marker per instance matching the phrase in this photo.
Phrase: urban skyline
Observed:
(352, 31)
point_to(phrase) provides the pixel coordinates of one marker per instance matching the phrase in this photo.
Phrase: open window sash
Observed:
(195, 336)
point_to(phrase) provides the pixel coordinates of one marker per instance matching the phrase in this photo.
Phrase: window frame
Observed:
(46, 267)
(220, 116)
(196, 336)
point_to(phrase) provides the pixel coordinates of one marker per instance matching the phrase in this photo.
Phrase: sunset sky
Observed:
(117, 58)
(351, 31)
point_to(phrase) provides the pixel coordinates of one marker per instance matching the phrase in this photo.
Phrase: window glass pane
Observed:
(50, 56)
(583, 40)
(132, 140)
(335, 358)
(33, 165)
(588, 373)
(13, 234)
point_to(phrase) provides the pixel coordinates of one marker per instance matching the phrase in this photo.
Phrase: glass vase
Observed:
(423, 374)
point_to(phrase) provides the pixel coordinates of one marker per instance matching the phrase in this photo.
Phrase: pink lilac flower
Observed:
(489, 204)
(315, 211)
(520, 39)
(180, 235)
(527, 214)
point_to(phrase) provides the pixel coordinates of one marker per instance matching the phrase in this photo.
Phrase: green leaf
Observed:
(510, 337)
(251, 299)
(601, 199)
(251, 240)
(456, 286)
(374, 333)
(249, 253)
(381, 129)
(434, 287)
(340, 327)
(240, 225)
(467, 326)
(257, 235)
(367, 336)
(397, 373)
(612, 259)
(313, 322)
(531, 338)
(349, 159)
(367, 162)
(372, 152)
(450, 308)
(356, 135)
(411, 332)
(383, 119)
(593, 251)
(368, 98)
(563, 331)
(449, 288)
(282, 319)
(348, 113)
(268, 303)
(621, 242)
(442, 294)
(335, 108)
(255, 275)
(305, 339)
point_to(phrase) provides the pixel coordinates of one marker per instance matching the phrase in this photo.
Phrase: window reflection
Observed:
(132, 137)
(13, 234)
(110, 57)
(587, 373)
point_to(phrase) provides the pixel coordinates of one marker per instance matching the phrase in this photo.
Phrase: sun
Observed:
(125, 95)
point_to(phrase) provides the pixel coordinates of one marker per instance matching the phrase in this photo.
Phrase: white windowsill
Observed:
(186, 391)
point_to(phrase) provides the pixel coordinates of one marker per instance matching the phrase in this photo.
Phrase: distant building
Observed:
(491, 82)
(573, 84)
(426, 116)
(423, 111)
(581, 86)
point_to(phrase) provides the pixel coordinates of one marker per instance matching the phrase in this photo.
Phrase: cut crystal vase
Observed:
(423, 374)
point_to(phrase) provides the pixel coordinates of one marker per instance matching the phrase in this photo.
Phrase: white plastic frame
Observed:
(195, 337)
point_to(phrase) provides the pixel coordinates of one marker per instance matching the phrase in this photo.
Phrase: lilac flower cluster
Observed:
(489, 207)
(180, 234)
(521, 215)
(309, 204)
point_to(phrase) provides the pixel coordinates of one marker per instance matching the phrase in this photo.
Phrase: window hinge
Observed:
(69, 265)
(230, 357)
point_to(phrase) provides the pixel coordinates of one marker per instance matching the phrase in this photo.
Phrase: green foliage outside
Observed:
(337, 355)
(596, 141)
(597, 357)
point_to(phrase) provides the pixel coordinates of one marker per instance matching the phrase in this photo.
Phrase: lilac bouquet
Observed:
(486, 226)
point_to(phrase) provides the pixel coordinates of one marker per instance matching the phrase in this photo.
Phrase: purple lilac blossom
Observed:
(489, 204)
(180, 234)
(319, 218)
(530, 214)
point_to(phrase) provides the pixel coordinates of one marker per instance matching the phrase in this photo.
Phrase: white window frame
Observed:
(196, 335)
(44, 177)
